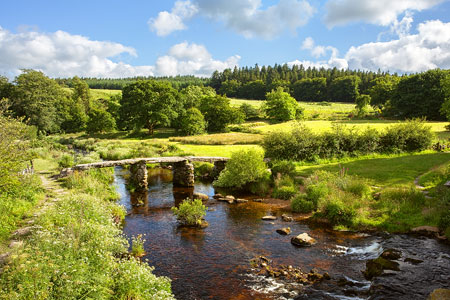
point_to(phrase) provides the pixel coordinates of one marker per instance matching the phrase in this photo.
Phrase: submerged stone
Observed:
(286, 218)
(284, 231)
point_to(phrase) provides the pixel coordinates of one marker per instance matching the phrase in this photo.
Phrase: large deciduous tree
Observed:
(149, 103)
(280, 106)
(39, 99)
(218, 113)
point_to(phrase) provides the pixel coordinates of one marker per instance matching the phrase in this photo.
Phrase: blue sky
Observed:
(118, 39)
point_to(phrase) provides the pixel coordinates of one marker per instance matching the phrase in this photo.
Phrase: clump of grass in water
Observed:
(137, 246)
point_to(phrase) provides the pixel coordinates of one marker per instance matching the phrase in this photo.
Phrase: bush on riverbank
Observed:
(76, 252)
(303, 144)
(245, 169)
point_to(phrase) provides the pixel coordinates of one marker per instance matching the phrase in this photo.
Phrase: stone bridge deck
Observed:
(183, 170)
(149, 160)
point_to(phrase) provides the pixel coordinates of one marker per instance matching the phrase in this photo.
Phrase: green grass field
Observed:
(385, 170)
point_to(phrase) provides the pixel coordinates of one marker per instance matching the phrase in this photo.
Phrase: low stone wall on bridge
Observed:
(182, 168)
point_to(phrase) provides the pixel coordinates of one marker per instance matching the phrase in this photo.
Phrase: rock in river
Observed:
(217, 196)
(201, 196)
(269, 218)
(284, 231)
(303, 240)
(391, 254)
(286, 218)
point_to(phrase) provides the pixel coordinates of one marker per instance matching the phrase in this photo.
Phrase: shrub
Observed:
(316, 192)
(410, 136)
(301, 204)
(244, 167)
(359, 188)
(284, 192)
(338, 212)
(283, 167)
(298, 144)
(190, 212)
(66, 161)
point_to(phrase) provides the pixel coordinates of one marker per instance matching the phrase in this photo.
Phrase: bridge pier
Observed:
(183, 174)
(139, 175)
(218, 167)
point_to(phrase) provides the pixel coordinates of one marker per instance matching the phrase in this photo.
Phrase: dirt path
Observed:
(53, 192)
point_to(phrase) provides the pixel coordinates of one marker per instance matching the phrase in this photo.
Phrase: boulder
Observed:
(391, 254)
(269, 218)
(426, 230)
(239, 200)
(286, 218)
(201, 196)
(439, 294)
(376, 267)
(24, 231)
(229, 197)
(303, 240)
(217, 196)
(284, 231)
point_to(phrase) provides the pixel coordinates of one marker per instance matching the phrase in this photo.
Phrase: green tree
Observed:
(244, 167)
(253, 90)
(229, 88)
(345, 89)
(39, 99)
(5, 88)
(420, 95)
(192, 122)
(147, 104)
(445, 109)
(81, 93)
(192, 95)
(218, 113)
(382, 90)
(310, 89)
(100, 121)
(249, 111)
(362, 103)
(280, 106)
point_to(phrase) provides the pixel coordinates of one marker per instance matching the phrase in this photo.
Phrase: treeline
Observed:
(304, 84)
(178, 82)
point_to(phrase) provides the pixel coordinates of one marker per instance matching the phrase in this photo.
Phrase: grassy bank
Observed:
(77, 250)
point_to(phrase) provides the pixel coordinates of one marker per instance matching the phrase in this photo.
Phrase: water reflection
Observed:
(213, 263)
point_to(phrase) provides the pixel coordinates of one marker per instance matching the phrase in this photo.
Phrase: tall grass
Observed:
(79, 251)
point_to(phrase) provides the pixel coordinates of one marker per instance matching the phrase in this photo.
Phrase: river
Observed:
(214, 263)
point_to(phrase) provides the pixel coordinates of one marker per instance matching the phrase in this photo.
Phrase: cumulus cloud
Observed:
(61, 54)
(428, 49)
(185, 58)
(167, 22)
(243, 16)
(379, 12)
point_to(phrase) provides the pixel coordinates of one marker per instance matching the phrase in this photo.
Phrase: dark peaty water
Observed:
(213, 263)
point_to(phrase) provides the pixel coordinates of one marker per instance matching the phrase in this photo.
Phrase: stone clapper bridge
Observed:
(182, 168)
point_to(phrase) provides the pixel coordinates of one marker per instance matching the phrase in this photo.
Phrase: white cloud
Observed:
(244, 16)
(61, 54)
(428, 49)
(185, 58)
(167, 22)
(379, 12)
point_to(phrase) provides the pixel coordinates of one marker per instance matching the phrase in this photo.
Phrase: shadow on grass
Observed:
(401, 170)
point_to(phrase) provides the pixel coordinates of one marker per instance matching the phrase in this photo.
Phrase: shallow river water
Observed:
(214, 263)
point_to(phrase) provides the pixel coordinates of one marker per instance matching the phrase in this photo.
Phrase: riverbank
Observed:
(74, 248)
